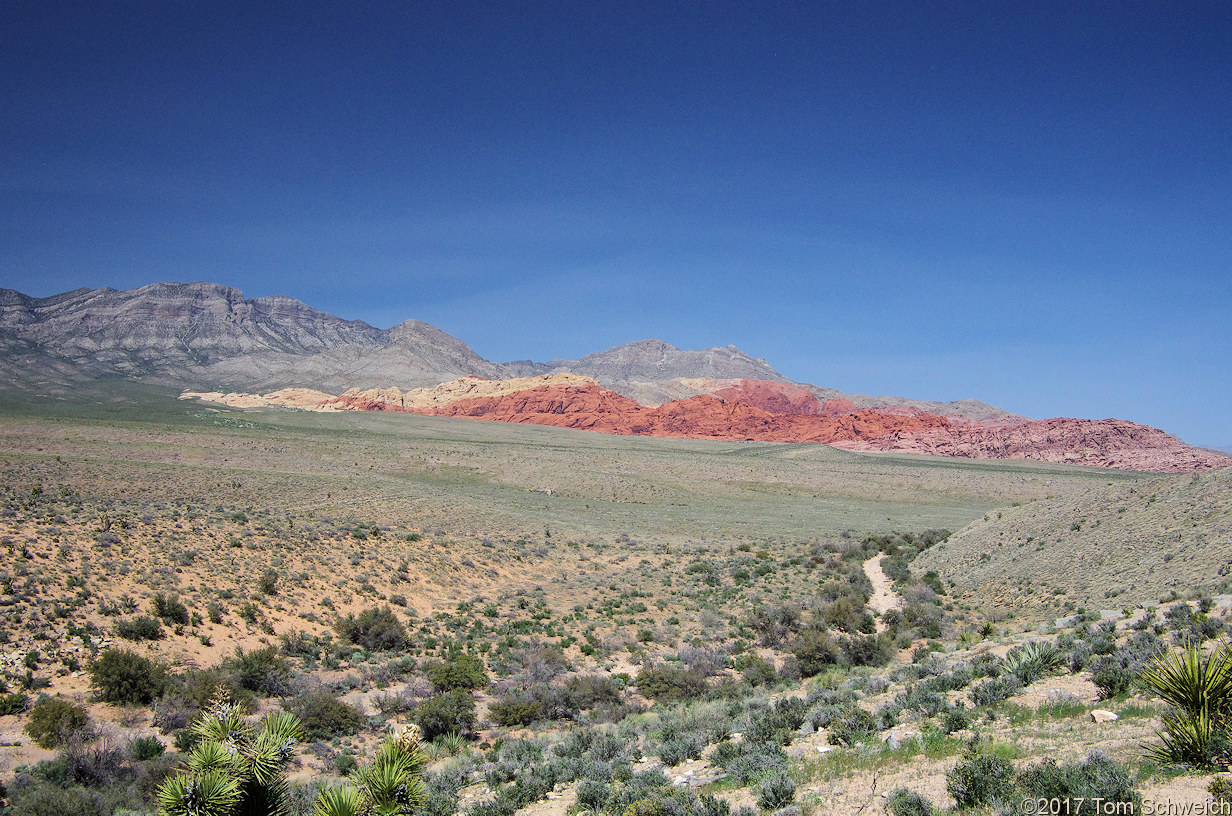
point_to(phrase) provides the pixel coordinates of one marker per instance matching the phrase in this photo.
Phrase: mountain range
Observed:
(208, 339)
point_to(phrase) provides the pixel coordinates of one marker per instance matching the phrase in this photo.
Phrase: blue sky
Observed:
(1025, 203)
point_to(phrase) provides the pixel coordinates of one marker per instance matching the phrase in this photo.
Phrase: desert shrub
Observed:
(298, 643)
(377, 630)
(867, 650)
(678, 748)
(980, 779)
(815, 650)
(48, 799)
(514, 709)
(121, 677)
(142, 627)
(1097, 780)
(268, 582)
(198, 687)
(146, 748)
(756, 670)
(904, 802)
(261, 670)
(852, 727)
(1111, 676)
(449, 713)
(586, 691)
(954, 720)
(324, 716)
(778, 723)
(847, 614)
(14, 703)
(666, 682)
(464, 671)
(54, 720)
(748, 761)
(991, 692)
(168, 609)
(776, 791)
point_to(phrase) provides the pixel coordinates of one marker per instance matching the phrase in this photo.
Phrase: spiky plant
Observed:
(1032, 661)
(390, 786)
(1198, 691)
(235, 769)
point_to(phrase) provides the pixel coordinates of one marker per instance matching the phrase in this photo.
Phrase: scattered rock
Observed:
(1102, 716)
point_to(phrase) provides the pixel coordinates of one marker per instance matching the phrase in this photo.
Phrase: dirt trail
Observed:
(884, 597)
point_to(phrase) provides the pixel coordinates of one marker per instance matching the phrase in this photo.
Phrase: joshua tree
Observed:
(235, 769)
(390, 786)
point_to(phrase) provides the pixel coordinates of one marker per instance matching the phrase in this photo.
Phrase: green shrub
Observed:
(815, 650)
(377, 630)
(49, 799)
(1096, 780)
(852, 727)
(991, 692)
(168, 609)
(261, 670)
(324, 716)
(904, 802)
(54, 720)
(14, 703)
(123, 678)
(980, 779)
(464, 671)
(776, 791)
(514, 710)
(449, 713)
(140, 628)
(667, 682)
(867, 650)
(1111, 677)
(268, 582)
(146, 748)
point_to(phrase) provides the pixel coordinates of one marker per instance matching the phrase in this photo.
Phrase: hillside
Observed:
(1111, 546)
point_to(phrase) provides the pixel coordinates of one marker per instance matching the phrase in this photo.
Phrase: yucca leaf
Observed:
(339, 801)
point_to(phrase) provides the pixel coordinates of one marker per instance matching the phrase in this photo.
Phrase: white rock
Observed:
(1102, 716)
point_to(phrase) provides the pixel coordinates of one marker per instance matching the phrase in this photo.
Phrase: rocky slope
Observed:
(205, 334)
(1109, 547)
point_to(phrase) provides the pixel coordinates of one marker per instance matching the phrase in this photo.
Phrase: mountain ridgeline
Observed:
(208, 339)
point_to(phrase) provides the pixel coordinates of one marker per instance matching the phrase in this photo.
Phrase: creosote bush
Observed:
(376, 630)
(55, 720)
(123, 678)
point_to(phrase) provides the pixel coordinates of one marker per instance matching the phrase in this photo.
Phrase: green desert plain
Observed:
(583, 622)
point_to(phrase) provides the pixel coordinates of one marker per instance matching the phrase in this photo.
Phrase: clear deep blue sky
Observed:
(1026, 203)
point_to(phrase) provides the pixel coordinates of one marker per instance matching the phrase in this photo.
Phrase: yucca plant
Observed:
(1031, 662)
(1198, 691)
(235, 769)
(390, 786)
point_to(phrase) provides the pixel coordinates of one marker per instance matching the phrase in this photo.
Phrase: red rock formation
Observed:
(773, 412)
(837, 407)
(1111, 443)
(772, 397)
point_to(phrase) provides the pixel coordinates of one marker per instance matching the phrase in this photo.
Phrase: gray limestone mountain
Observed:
(206, 336)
